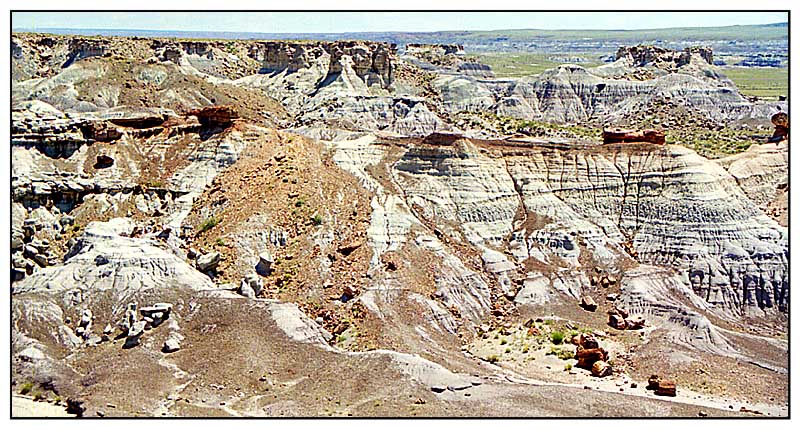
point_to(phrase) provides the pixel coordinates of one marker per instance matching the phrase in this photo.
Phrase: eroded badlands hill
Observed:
(338, 240)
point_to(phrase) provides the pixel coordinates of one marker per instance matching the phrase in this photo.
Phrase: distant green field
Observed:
(523, 64)
(764, 82)
(734, 32)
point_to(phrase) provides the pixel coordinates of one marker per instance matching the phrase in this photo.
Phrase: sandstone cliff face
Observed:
(370, 60)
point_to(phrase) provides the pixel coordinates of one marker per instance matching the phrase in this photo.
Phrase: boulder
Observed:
(616, 321)
(30, 251)
(161, 307)
(40, 259)
(254, 282)
(588, 341)
(208, 261)
(86, 317)
(101, 131)
(246, 291)
(636, 322)
(66, 220)
(349, 292)
(601, 369)
(17, 260)
(349, 247)
(156, 314)
(264, 266)
(76, 407)
(17, 274)
(587, 357)
(666, 388)
(781, 122)
(103, 161)
(588, 304)
(129, 319)
(134, 334)
(215, 116)
(171, 345)
(652, 382)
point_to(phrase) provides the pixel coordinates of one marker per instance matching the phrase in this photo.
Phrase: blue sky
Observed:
(339, 22)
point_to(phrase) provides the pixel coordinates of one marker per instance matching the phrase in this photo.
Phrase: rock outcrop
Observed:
(617, 135)
(649, 55)
(215, 116)
(371, 61)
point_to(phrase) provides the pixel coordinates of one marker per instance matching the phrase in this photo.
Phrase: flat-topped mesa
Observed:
(168, 50)
(368, 58)
(616, 135)
(188, 46)
(434, 48)
(643, 55)
(81, 48)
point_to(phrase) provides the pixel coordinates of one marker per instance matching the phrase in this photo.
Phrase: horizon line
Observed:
(44, 29)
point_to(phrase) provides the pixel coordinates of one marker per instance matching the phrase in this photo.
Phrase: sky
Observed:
(341, 22)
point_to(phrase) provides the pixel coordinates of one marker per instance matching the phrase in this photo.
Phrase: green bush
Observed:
(317, 219)
(26, 388)
(493, 358)
(563, 354)
(557, 337)
(208, 224)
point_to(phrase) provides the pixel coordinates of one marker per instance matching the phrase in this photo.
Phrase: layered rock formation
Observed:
(370, 61)
(409, 236)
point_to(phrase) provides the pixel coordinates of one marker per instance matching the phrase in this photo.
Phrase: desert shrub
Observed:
(561, 353)
(26, 388)
(208, 224)
(557, 337)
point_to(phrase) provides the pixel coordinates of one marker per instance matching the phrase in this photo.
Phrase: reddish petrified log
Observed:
(587, 357)
(215, 116)
(781, 122)
(617, 135)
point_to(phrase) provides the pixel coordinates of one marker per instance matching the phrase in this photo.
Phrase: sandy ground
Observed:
(25, 406)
